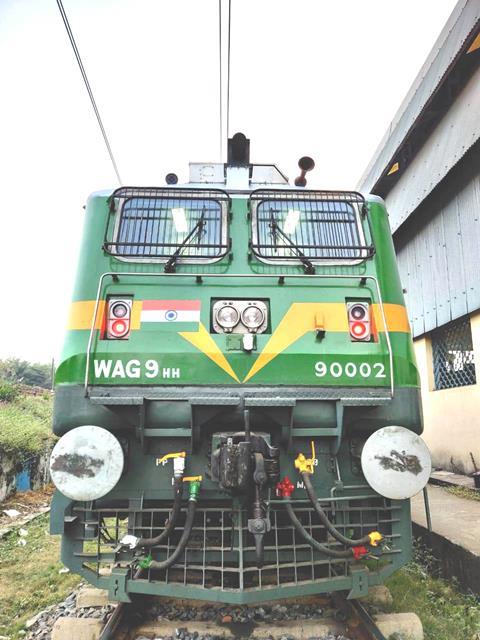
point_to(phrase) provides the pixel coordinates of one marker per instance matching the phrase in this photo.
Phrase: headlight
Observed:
(252, 317)
(227, 317)
(239, 316)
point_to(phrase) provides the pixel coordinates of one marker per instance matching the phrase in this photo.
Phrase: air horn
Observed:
(305, 164)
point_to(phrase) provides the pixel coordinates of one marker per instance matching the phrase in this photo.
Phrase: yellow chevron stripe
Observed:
(300, 318)
(303, 317)
(203, 341)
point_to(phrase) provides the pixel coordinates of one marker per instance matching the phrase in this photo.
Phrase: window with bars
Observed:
(152, 224)
(322, 226)
(453, 356)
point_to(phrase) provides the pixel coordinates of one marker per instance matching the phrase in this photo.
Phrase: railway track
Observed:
(351, 620)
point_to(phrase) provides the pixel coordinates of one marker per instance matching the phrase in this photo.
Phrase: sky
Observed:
(308, 77)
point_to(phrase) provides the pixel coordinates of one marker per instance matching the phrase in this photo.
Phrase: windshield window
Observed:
(322, 229)
(155, 227)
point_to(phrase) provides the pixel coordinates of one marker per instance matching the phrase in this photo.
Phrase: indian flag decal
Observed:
(170, 311)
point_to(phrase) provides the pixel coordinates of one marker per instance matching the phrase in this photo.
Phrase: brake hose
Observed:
(170, 524)
(333, 553)
(371, 538)
(148, 563)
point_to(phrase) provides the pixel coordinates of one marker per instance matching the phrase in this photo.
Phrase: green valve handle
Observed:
(194, 490)
(145, 562)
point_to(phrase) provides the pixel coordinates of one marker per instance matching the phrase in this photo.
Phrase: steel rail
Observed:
(369, 629)
(109, 631)
(359, 623)
(134, 274)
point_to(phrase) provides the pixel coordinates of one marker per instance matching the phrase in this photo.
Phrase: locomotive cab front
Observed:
(247, 347)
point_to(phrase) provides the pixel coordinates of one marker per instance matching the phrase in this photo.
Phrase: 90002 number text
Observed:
(350, 369)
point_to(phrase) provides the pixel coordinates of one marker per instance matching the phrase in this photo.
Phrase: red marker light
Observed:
(118, 318)
(119, 328)
(359, 321)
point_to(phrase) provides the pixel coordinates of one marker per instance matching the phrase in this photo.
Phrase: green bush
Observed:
(25, 424)
(8, 391)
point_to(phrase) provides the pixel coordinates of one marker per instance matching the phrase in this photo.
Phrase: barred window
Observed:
(322, 226)
(151, 224)
(453, 357)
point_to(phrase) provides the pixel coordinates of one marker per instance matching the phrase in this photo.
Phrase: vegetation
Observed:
(29, 576)
(16, 371)
(25, 422)
(446, 612)
(464, 492)
(8, 391)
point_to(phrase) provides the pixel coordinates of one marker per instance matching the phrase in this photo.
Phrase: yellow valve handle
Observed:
(303, 464)
(193, 479)
(170, 456)
(375, 538)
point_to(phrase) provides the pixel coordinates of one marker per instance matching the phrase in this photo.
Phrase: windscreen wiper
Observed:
(197, 230)
(276, 231)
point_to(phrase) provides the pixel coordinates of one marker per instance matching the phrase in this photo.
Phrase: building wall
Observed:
(438, 250)
(451, 416)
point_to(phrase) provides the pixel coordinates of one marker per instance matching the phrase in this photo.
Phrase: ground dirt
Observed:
(26, 503)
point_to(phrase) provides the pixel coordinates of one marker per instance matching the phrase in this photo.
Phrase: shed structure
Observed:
(427, 168)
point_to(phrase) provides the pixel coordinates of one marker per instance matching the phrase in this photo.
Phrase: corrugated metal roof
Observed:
(458, 130)
(439, 260)
(459, 26)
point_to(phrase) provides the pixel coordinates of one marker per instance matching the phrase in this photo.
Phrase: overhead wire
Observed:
(88, 87)
(220, 75)
(228, 64)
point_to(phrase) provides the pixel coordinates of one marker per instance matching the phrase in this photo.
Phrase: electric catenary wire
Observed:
(88, 87)
(220, 70)
(228, 65)
(220, 74)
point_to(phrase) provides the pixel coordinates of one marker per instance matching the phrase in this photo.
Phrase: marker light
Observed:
(359, 321)
(291, 221)
(118, 328)
(252, 317)
(179, 220)
(227, 317)
(119, 313)
(119, 309)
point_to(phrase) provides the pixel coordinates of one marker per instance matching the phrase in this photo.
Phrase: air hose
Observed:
(170, 524)
(148, 563)
(305, 467)
(372, 538)
(333, 553)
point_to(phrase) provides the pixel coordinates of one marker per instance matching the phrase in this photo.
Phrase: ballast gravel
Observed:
(40, 627)
(182, 634)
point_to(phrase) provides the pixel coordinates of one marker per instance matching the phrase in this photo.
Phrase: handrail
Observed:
(276, 276)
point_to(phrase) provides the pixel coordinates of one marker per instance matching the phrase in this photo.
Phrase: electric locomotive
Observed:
(237, 398)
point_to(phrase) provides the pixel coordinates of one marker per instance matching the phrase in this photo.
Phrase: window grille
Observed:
(324, 226)
(151, 224)
(453, 356)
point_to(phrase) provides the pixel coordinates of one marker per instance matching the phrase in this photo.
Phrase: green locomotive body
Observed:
(219, 330)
